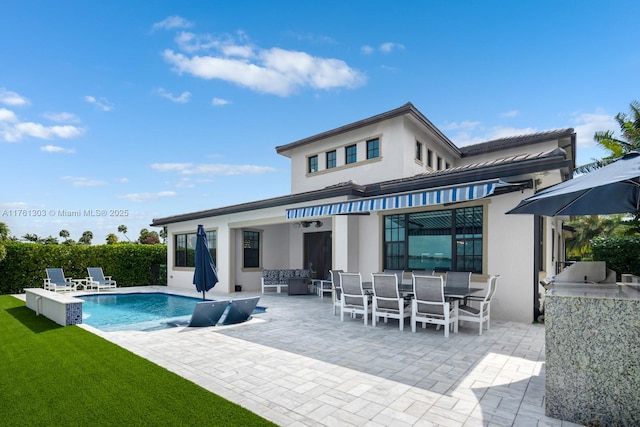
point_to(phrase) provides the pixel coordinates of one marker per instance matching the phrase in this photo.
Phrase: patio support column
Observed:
(345, 242)
(224, 263)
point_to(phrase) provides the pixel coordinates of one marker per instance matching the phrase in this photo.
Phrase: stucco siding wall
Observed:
(370, 245)
(510, 248)
(391, 134)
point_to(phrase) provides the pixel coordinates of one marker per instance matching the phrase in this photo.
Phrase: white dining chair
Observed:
(482, 313)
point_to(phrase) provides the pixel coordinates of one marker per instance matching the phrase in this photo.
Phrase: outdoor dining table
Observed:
(451, 292)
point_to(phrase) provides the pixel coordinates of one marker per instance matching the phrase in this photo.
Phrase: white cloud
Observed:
(587, 124)
(190, 42)
(15, 205)
(14, 132)
(219, 101)
(170, 167)
(275, 71)
(366, 50)
(172, 22)
(101, 103)
(63, 117)
(143, 197)
(464, 125)
(512, 113)
(389, 47)
(465, 137)
(185, 183)
(8, 97)
(212, 169)
(180, 99)
(78, 181)
(47, 132)
(7, 115)
(57, 149)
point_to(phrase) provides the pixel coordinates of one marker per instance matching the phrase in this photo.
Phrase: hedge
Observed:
(622, 254)
(128, 264)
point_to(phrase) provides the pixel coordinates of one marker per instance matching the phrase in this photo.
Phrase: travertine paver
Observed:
(298, 365)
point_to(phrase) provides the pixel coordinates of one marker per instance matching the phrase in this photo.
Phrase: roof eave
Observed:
(345, 189)
(407, 108)
(555, 160)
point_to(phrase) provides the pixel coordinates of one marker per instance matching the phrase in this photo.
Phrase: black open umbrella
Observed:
(612, 189)
(205, 276)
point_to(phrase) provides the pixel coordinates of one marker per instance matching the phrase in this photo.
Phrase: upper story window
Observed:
(331, 159)
(351, 154)
(418, 150)
(430, 158)
(439, 163)
(373, 148)
(313, 164)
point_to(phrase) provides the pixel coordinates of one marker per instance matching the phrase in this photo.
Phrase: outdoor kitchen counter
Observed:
(593, 353)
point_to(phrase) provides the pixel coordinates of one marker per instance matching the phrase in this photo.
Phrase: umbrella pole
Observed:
(202, 295)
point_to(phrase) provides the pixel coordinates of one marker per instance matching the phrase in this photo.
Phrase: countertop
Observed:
(586, 290)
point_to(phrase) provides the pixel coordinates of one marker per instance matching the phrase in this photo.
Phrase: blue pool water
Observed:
(138, 311)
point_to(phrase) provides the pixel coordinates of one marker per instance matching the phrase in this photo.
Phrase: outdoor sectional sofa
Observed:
(279, 278)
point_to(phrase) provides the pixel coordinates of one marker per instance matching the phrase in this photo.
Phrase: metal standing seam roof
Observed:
(515, 141)
(499, 168)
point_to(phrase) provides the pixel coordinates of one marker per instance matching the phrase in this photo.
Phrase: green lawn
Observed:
(65, 376)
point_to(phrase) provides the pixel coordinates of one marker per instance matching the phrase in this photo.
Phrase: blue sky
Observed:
(129, 111)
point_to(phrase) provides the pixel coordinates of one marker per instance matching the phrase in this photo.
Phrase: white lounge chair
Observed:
(57, 282)
(97, 280)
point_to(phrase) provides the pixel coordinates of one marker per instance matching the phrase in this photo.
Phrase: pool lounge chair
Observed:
(97, 280)
(240, 310)
(208, 313)
(57, 282)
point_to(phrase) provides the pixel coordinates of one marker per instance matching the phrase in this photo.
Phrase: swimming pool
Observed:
(138, 311)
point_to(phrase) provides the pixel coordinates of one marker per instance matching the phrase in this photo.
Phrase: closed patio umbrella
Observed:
(612, 189)
(205, 276)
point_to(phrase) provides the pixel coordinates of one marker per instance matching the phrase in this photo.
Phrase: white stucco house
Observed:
(393, 192)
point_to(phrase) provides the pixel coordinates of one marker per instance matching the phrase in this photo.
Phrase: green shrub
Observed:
(128, 264)
(622, 254)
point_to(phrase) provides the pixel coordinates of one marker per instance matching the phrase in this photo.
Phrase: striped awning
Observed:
(430, 197)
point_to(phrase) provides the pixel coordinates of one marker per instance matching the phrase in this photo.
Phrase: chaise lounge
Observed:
(57, 282)
(97, 280)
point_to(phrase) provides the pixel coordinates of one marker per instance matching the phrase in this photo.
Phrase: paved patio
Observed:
(298, 365)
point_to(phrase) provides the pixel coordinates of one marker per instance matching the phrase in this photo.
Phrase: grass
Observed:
(65, 376)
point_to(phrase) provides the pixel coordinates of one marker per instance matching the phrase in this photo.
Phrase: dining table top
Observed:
(449, 291)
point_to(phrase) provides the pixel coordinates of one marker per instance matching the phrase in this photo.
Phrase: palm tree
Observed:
(86, 238)
(617, 147)
(123, 229)
(112, 239)
(588, 227)
(4, 231)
